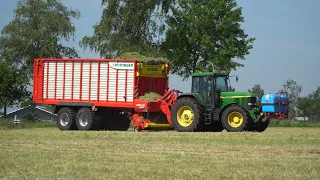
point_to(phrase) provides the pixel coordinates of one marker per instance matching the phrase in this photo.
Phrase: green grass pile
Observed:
(143, 59)
(150, 96)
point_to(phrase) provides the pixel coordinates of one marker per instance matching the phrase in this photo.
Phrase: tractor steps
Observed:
(208, 116)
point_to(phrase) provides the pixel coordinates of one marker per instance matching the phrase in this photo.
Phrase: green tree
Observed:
(38, 30)
(128, 26)
(12, 85)
(200, 32)
(309, 106)
(293, 90)
(305, 106)
(195, 31)
(258, 91)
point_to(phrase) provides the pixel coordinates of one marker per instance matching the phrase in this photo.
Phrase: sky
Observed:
(287, 34)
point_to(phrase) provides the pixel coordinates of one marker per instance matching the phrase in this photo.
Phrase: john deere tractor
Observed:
(212, 106)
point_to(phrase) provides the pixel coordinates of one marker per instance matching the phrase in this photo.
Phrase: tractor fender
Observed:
(189, 95)
(224, 108)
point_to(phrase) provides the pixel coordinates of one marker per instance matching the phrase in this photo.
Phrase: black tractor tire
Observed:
(66, 119)
(197, 124)
(260, 127)
(215, 126)
(87, 120)
(238, 112)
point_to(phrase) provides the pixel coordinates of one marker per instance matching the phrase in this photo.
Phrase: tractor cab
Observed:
(209, 85)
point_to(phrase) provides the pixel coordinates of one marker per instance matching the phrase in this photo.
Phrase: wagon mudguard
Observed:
(71, 104)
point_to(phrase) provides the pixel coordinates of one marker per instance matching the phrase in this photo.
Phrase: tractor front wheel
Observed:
(234, 119)
(187, 115)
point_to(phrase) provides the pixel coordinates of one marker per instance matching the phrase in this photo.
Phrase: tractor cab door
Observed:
(220, 85)
(205, 86)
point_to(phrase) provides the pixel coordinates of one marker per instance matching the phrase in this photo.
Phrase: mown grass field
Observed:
(47, 153)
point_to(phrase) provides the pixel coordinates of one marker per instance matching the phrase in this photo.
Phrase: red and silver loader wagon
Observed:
(92, 94)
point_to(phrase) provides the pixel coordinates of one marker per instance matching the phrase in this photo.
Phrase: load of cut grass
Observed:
(143, 59)
(150, 96)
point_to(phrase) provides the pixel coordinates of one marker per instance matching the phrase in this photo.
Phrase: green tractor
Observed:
(213, 106)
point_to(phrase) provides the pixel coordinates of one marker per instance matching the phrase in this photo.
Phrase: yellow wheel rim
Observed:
(235, 119)
(185, 116)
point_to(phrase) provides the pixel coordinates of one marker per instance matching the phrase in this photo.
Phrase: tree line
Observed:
(191, 33)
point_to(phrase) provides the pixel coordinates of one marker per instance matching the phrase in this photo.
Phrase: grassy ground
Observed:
(290, 123)
(47, 153)
(9, 124)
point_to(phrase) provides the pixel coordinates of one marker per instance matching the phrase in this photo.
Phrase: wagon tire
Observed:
(66, 119)
(86, 119)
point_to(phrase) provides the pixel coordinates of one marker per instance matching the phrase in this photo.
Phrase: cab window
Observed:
(195, 84)
(201, 84)
(221, 83)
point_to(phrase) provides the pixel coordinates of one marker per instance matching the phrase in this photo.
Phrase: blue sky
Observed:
(287, 34)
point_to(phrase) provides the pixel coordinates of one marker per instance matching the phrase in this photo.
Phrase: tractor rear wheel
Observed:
(87, 120)
(234, 119)
(187, 115)
(66, 119)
